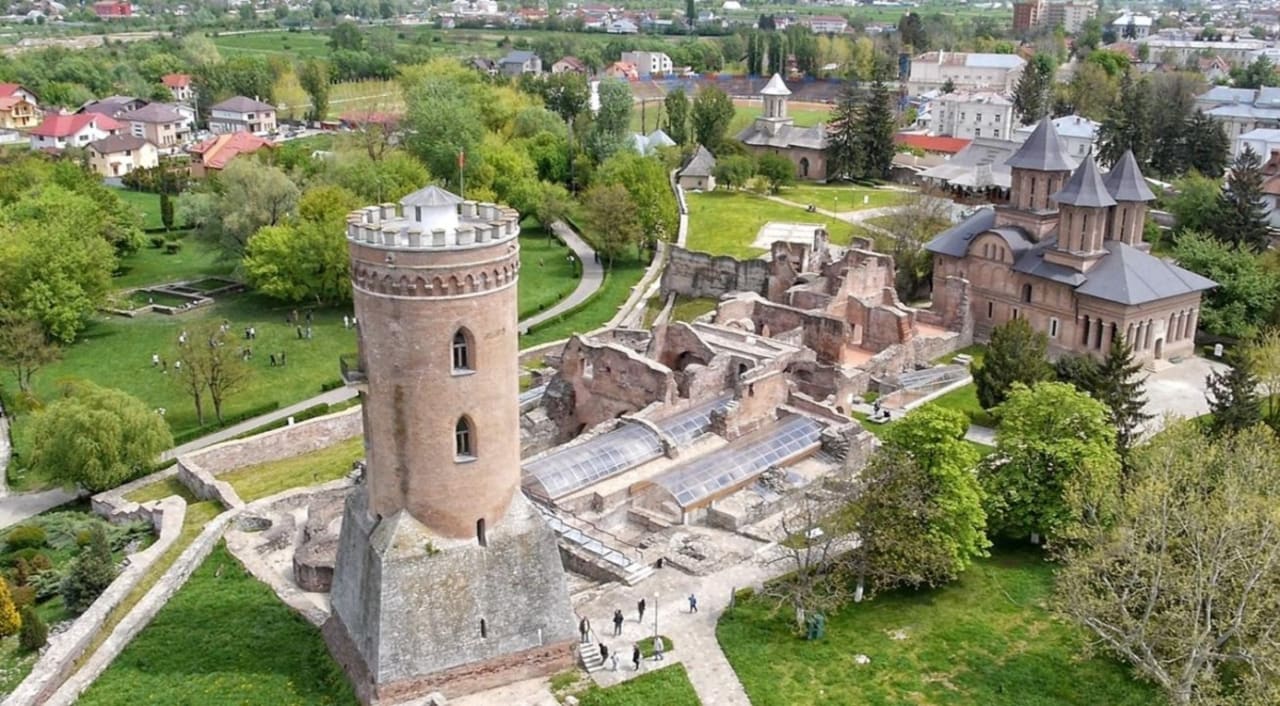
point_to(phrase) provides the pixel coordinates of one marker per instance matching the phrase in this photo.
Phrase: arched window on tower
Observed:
(1026, 293)
(462, 358)
(464, 442)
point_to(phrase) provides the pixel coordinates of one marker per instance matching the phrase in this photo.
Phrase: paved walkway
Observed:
(592, 275)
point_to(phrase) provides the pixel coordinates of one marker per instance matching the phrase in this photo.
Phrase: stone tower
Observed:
(774, 117)
(1037, 171)
(1084, 205)
(447, 578)
(1130, 190)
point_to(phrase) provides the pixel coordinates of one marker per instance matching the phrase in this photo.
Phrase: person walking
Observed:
(283, 359)
(155, 360)
(635, 656)
(584, 629)
(273, 360)
(658, 647)
(640, 610)
(604, 653)
(693, 603)
(613, 662)
(299, 333)
(617, 623)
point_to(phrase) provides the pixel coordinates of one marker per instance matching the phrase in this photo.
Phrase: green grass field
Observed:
(151, 266)
(744, 115)
(303, 45)
(685, 309)
(224, 638)
(726, 223)
(146, 205)
(840, 197)
(320, 466)
(986, 640)
(546, 275)
(668, 686)
(965, 400)
(597, 311)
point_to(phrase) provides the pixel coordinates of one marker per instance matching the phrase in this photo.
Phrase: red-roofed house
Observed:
(179, 85)
(113, 9)
(215, 153)
(623, 70)
(931, 144)
(18, 107)
(569, 65)
(59, 132)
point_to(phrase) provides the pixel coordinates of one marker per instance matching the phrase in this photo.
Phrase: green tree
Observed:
(676, 106)
(615, 219)
(645, 179)
(1092, 92)
(305, 258)
(911, 32)
(443, 120)
(96, 437)
(567, 94)
(1264, 362)
(390, 177)
(1033, 95)
(876, 132)
(231, 207)
(1207, 145)
(24, 347)
(777, 170)
(1016, 353)
(1128, 125)
(346, 35)
(1260, 73)
(90, 573)
(1241, 216)
(10, 621)
(712, 112)
(734, 171)
(1055, 466)
(211, 358)
(1183, 585)
(166, 210)
(844, 143)
(1247, 293)
(611, 128)
(1120, 386)
(1194, 202)
(1233, 396)
(34, 633)
(313, 75)
(918, 506)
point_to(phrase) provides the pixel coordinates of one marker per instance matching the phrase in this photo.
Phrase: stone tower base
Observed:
(414, 612)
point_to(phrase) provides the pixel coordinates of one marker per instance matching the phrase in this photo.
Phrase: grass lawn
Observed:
(965, 399)
(842, 197)
(224, 638)
(686, 308)
(546, 275)
(726, 223)
(976, 351)
(145, 204)
(296, 44)
(597, 310)
(668, 686)
(161, 489)
(985, 640)
(150, 266)
(879, 430)
(320, 466)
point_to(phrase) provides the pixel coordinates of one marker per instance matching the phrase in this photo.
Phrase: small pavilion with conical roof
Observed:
(1067, 255)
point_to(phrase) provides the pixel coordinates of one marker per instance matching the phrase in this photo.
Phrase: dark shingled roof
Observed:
(701, 165)
(1041, 151)
(1125, 180)
(955, 240)
(1085, 188)
(1129, 276)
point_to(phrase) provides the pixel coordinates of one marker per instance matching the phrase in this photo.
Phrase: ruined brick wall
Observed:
(286, 442)
(608, 380)
(698, 274)
(887, 326)
(755, 405)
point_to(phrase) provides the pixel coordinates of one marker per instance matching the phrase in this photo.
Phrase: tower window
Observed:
(484, 628)
(1026, 293)
(1053, 328)
(463, 440)
(480, 536)
(462, 351)
(991, 309)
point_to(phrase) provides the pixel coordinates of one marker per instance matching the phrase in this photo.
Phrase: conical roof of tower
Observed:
(431, 196)
(1042, 151)
(1085, 187)
(1125, 181)
(776, 87)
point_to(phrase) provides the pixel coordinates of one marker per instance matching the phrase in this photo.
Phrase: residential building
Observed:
(648, 63)
(179, 85)
(1070, 16)
(1241, 110)
(965, 72)
(622, 26)
(520, 62)
(1028, 15)
(569, 65)
(113, 9)
(700, 173)
(775, 132)
(1078, 135)
(485, 66)
(972, 115)
(118, 155)
(240, 114)
(159, 124)
(19, 108)
(1067, 255)
(622, 69)
(112, 106)
(828, 24)
(1131, 26)
(58, 132)
(215, 153)
(1239, 51)
(1264, 141)
(931, 144)
(1271, 187)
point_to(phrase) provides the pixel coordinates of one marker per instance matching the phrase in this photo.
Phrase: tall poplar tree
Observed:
(676, 106)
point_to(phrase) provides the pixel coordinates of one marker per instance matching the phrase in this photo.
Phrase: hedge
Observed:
(193, 434)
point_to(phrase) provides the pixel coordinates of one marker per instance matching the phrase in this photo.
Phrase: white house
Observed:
(1264, 141)
(970, 115)
(1241, 110)
(1131, 26)
(1078, 135)
(648, 63)
(828, 24)
(240, 114)
(965, 71)
(62, 131)
(118, 155)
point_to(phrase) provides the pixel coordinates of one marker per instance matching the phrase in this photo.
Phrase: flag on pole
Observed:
(462, 159)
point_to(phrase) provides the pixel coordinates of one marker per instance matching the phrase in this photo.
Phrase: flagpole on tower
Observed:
(462, 164)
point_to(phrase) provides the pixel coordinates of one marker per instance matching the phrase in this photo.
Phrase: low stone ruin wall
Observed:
(699, 274)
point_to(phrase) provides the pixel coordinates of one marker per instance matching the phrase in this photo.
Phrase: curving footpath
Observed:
(592, 276)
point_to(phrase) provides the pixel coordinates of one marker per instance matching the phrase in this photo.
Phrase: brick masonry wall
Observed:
(698, 274)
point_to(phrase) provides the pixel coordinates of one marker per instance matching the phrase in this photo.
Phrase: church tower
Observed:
(1038, 170)
(1131, 193)
(446, 578)
(1084, 207)
(775, 115)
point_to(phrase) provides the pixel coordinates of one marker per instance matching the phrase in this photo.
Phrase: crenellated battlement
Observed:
(427, 227)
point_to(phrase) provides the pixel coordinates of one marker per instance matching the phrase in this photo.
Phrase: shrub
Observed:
(172, 247)
(40, 563)
(84, 536)
(34, 633)
(24, 536)
(157, 241)
(46, 584)
(9, 620)
(90, 574)
(26, 554)
(23, 596)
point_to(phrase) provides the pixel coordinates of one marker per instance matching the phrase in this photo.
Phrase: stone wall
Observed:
(285, 442)
(601, 381)
(698, 274)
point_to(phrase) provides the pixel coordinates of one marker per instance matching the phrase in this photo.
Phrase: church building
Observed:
(775, 132)
(1067, 254)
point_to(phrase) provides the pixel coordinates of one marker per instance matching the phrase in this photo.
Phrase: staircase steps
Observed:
(589, 655)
